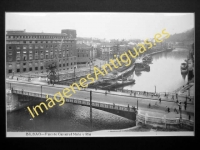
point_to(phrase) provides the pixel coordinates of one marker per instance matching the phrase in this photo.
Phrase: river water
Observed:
(164, 74)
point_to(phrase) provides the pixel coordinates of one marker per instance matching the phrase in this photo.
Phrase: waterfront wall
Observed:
(163, 121)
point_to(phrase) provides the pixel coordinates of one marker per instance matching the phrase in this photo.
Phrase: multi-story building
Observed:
(84, 54)
(107, 51)
(28, 52)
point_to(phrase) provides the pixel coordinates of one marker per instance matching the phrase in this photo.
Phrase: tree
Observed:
(51, 68)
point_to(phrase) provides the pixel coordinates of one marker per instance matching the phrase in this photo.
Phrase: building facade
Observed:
(107, 50)
(84, 55)
(28, 52)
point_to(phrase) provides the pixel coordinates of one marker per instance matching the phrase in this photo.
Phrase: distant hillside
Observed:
(186, 37)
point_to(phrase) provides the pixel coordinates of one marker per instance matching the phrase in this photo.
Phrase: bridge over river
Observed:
(119, 103)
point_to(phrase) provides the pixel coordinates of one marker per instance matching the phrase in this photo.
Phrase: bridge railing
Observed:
(161, 120)
(145, 93)
(78, 101)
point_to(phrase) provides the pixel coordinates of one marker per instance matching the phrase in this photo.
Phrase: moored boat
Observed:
(147, 59)
(140, 66)
(183, 66)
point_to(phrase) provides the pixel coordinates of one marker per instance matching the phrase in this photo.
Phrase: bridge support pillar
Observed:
(11, 101)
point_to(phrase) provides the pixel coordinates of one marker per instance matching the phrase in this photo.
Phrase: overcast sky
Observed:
(102, 25)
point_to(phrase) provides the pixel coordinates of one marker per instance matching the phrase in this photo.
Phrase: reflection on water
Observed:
(164, 73)
(65, 118)
(138, 73)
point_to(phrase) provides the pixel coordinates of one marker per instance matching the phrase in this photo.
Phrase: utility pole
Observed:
(74, 74)
(41, 91)
(91, 109)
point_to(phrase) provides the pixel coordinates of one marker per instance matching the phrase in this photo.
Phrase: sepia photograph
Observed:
(99, 74)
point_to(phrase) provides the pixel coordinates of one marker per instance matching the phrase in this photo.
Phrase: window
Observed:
(36, 47)
(63, 65)
(10, 71)
(24, 64)
(17, 47)
(60, 54)
(36, 68)
(67, 64)
(30, 69)
(9, 47)
(10, 65)
(18, 65)
(36, 56)
(71, 63)
(18, 70)
(9, 52)
(24, 47)
(41, 68)
(30, 47)
(24, 69)
(41, 47)
(30, 63)
(9, 58)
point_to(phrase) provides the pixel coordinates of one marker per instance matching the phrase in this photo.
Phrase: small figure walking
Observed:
(168, 109)
(165, 94)
(113, 104)
(175, 110)
(189, 117)
(105, 92)
(185, 104)
(152, 95)
(172, 97)
(128, 106)
(149, 105)
(160, 100)
(17, 79)
(176, 96)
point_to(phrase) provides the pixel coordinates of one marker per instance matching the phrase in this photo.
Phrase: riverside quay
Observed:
(80, 83)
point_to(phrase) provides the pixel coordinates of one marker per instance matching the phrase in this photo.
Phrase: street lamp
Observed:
(90, 64)
(41, 91)
(13, 74)
(74, 74)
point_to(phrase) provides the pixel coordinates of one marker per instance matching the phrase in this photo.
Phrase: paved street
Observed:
(112, 97)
